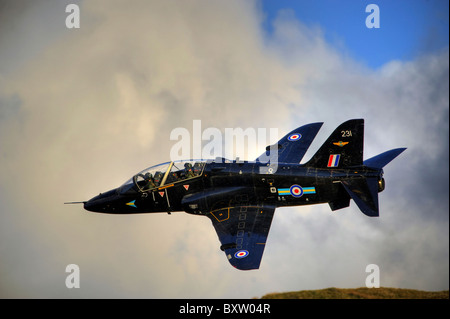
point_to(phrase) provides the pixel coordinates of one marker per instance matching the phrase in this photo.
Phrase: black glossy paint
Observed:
(240, 197)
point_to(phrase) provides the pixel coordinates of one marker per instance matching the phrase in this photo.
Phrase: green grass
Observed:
(360, 293)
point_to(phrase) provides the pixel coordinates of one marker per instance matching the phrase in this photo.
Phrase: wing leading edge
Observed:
(293, 146)
(243, 231)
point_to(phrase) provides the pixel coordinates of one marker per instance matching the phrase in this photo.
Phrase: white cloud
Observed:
(97, 104)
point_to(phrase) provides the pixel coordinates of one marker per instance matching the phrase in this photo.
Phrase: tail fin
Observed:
(344, 147)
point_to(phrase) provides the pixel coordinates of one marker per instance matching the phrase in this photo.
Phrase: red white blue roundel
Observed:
(296, 191)
(294, 137)
(241, 254)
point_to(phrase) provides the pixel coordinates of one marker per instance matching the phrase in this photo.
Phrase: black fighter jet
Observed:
(240, 197)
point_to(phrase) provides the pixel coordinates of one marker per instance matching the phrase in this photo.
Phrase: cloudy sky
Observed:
(82, 110)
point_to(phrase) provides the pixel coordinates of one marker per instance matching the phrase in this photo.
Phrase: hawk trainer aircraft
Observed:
(240, 197)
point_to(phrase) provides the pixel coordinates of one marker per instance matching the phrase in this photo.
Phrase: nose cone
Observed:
(92, 206)
(103, 203)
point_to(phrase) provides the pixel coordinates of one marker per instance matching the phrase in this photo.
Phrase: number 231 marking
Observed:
(346, 133)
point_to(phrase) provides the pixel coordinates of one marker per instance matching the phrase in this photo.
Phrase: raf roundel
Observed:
(241, 254)
(294, 137)
(296, 191)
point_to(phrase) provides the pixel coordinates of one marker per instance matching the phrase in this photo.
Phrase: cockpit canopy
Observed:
(163, 174)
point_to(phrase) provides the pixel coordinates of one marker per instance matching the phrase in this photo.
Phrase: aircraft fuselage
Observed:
(223, 184)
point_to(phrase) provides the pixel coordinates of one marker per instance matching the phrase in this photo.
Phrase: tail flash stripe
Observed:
(330, 161)
(333, 160)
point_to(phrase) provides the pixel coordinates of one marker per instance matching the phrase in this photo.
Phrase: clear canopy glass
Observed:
(163, 174)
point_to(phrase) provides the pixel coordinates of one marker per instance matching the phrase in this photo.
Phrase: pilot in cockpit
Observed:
(188, 170)
(158, 177)
(149, 182)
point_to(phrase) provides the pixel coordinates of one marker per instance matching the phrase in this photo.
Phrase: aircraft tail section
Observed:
(344, 147)
(364, 190)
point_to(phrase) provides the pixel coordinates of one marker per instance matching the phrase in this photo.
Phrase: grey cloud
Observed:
(94, 106)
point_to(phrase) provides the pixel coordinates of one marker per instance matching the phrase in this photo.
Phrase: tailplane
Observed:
(383, 159)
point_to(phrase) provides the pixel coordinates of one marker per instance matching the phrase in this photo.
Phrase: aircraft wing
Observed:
(292, 147)
(243, 231)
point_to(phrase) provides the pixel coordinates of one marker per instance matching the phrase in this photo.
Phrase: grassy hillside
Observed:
(360, 293)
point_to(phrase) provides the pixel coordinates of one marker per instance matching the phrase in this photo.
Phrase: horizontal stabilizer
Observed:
(364, 191)
(383, 159)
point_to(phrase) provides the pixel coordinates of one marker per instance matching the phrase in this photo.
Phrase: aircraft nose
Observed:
(102, 202)
(91, 206)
